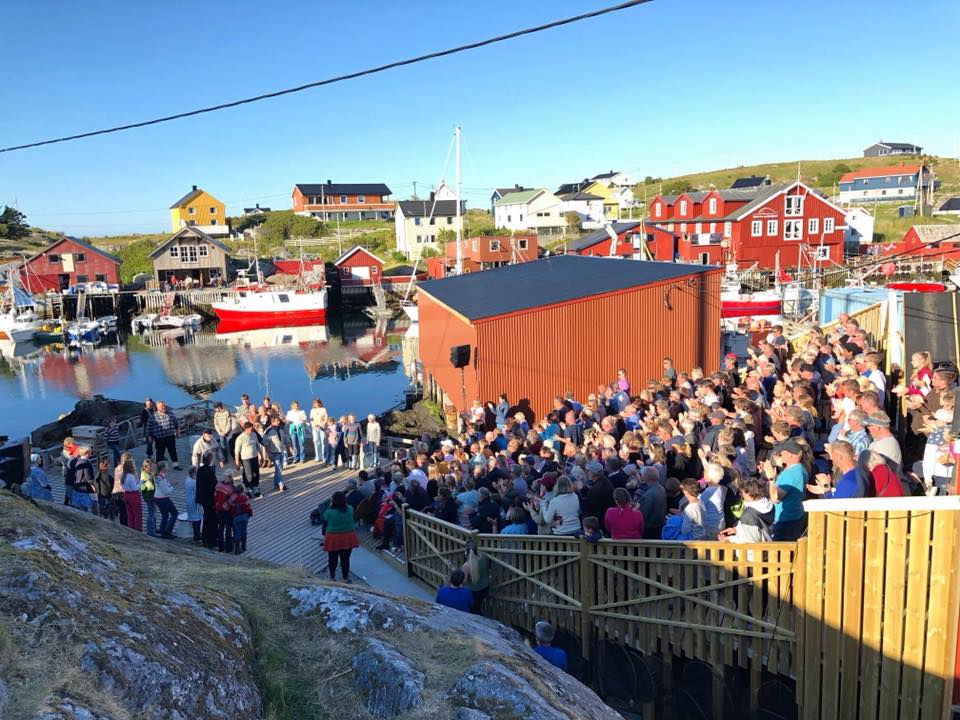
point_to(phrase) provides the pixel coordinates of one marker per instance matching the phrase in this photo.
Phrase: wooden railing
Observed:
(862, 613)
(872, 319)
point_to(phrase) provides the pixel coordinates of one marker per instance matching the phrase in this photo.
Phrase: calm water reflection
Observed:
(352, 365)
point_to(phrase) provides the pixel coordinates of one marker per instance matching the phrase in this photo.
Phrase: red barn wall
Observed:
(42, 275)
(440, 329)
(360, 259)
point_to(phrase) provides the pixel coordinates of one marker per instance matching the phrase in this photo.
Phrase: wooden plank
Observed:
(914, 631)
(814, 606)
(833, 589)
(941, 628)
(871, 650)
(852, 609)
(893, 609)
(800, 615)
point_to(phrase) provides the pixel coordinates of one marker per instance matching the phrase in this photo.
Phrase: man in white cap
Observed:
(883, 441)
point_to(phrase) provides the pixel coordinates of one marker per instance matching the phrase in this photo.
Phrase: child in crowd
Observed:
(454, 594)
(222, 499)
(104, 484)
(240, 512)
(147, 489)
(194, 510)
(590, 529)
(692, 526)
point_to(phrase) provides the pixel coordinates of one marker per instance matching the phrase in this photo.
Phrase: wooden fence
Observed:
(862, 612)
(872, 319)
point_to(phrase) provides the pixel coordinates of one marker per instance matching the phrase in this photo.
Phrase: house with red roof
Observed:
(883, 184)
(716, 227)
(928, 241)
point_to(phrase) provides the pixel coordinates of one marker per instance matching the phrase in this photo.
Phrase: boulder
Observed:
(385, 680)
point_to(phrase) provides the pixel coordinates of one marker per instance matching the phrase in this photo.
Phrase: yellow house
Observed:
(200, 209)
(611, 206)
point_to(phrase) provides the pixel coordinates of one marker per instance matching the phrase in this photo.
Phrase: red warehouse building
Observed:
(66, 263)
(538, 329)
(747, 227)
(932, 241)
(359, 266)
(485, 252)
(636, 240)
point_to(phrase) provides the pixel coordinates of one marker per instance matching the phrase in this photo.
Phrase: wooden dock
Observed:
(280, 529)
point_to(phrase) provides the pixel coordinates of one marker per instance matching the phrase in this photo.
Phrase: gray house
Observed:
(190, 253)
(882, 149)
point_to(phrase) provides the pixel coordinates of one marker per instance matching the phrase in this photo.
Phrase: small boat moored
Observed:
(178, 321)
(84, 330)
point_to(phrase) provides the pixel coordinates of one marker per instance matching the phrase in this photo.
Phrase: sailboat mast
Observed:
(459, 266)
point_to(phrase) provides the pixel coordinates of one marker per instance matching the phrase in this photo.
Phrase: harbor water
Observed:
(351, 364)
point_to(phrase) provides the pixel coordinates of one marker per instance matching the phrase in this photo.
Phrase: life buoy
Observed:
(466, 271)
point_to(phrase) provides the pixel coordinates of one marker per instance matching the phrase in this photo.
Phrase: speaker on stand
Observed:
(460, 358)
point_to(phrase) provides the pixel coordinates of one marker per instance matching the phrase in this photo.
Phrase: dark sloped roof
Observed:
(950, 204)
(573, 187)
(421, 208)
(898, 146)
(599, 234)
(189, 230)
(579, 196)
(247, 211)
(751, 181)
(558, 279)
(604, 176)
(186, 198)
(399, 271)
(343, 188)
(516, 188)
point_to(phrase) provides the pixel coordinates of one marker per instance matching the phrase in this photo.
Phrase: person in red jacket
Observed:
(241, 513)
(881, 477)
(222, 499)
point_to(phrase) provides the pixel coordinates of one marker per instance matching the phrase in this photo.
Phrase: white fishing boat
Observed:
(107, 323)
(143, 321)
(19, 321)
(293, 336)
(83, 330)
(178, 321)
(274, 308)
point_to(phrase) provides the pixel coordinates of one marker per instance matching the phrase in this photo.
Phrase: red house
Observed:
(747, 227)
(484, 253)
(66, 263)
(635, 240)
(359, 266)
(344, 201)
(935, 241)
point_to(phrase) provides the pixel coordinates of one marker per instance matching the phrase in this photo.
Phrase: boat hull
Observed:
(17, 335)
(267, 318)
(748, 308)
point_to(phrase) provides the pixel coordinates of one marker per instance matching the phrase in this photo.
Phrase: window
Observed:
(343, 199)
(374, 269)
(100, 277)
(449, 221)
(361, 199)
(509, 218)
(683, 227)
(174, 251)
(828, 225)
(416, 221)
(883, 192)
(494, 246)
(419, 239)
(190, 211)
(213, 211)
(203, 250)
(79, 257)
(521, 217)
(866, 181)
(522, 244)
(683, 207)
(793, 205)
(712, 206)
(81, 278)
(813, 226)
(345, 271)
(53, 258)
(771, 228)
(656, 209)
(727, 229)
(823, 252)
(713, 228)
(698, 228)
(191, 254)
(704, 258)
(756, 228)
(284, 298)
(792, 229)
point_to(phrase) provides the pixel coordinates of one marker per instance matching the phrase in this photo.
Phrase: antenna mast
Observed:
(458, 270)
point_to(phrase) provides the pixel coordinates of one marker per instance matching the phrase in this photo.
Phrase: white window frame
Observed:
(772, 228)
(175, 251)
(712, 206)
(683, 227)
(828, 225)
(474, 245)
(793, 229)
(203, 251)
(683, 207)
(793, 205)
(727, 229)
(361, 199)
(494, 246)
(656, 209)
(343, 199)
(756, 228)
(813, 226)
(522, 244)
(704, 258)
(713, 227)
(698, 228)
(823, 252)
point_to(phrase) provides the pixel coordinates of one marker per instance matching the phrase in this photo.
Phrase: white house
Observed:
(418, 222)
(859, 229)
(443, 192)
(587, 206)
(883, 184)
(614, 178)
(535, 210)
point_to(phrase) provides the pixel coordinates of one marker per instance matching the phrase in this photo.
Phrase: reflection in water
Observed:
(352, 366)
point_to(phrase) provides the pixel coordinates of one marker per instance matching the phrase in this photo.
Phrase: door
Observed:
(63, 280)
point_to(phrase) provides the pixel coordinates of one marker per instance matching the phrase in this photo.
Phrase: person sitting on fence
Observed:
(454, 594)
(544, 634)
(37, 485)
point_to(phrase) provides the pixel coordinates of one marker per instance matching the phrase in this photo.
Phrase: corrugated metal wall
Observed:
(440, 329)
(537, 354)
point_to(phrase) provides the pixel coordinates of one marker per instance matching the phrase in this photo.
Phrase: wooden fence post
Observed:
(587, 598)
(407, 549)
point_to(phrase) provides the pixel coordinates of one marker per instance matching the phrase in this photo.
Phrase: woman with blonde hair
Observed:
(476, 568)
(562, 513)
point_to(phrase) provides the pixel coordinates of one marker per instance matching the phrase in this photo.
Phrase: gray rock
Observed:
(386, 681)
(463, 713)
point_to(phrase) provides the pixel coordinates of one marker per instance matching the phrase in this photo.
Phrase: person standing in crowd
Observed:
(624, 522)
(193, 507)
(691, 525)
(562, 513)
(275, 441)
(351, 441)
(371, 448)
(161, 497)
(223, 502)
(37, 485)
(786, 491)
(849, 484)
(111, 436)
(248, 451)
(756, 520)
(84, 486)
(883, 441)
(131, 495)
(163, 429)
(652, 502)
(207, 442)
(334, 446)
(104, 485)
(500, 411)
(147, 489)
(340, 536)
(297, 433)
(476, 571)
(118, 499)
(206, 488)
(544, 634)
(318, 428)
(223, 427)
(146, 415)
(240, 514)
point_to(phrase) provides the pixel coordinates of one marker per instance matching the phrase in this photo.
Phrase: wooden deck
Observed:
(280, 529)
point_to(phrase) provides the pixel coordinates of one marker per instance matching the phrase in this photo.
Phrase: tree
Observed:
(574, 223)
(13, 224)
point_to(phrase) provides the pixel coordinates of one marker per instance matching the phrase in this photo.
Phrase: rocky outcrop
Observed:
(93, 411)
(385, 680)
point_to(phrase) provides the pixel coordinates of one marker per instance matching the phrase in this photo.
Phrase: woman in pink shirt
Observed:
(623, 522)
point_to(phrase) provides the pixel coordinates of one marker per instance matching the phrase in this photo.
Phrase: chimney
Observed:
(329, 183)
(432, 195)
(194, 188)
(258, 206)
(516, 186)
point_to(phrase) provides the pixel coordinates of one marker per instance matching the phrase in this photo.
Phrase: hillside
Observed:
(98, 622)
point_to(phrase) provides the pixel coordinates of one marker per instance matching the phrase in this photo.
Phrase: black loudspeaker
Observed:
(460, 356)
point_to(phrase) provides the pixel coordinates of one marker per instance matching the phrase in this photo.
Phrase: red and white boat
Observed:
(274, 308)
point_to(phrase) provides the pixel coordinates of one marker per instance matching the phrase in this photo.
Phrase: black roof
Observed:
(422, 208)
(950, 204)
(343, 188)
(398, 271)
(752, 181)
(898, 145)
(592, 238)
(573, 187)
(557, 279)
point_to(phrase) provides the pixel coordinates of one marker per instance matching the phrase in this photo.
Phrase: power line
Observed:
(339, 78)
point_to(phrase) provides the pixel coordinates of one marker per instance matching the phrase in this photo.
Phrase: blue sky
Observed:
(661, 89)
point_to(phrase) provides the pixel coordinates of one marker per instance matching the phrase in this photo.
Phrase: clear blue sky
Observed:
(662, 89)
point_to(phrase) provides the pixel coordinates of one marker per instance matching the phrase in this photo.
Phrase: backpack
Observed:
(70, 473)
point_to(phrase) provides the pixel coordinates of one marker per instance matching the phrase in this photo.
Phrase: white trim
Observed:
(351, 251)
(883, 504)
(810, 191)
